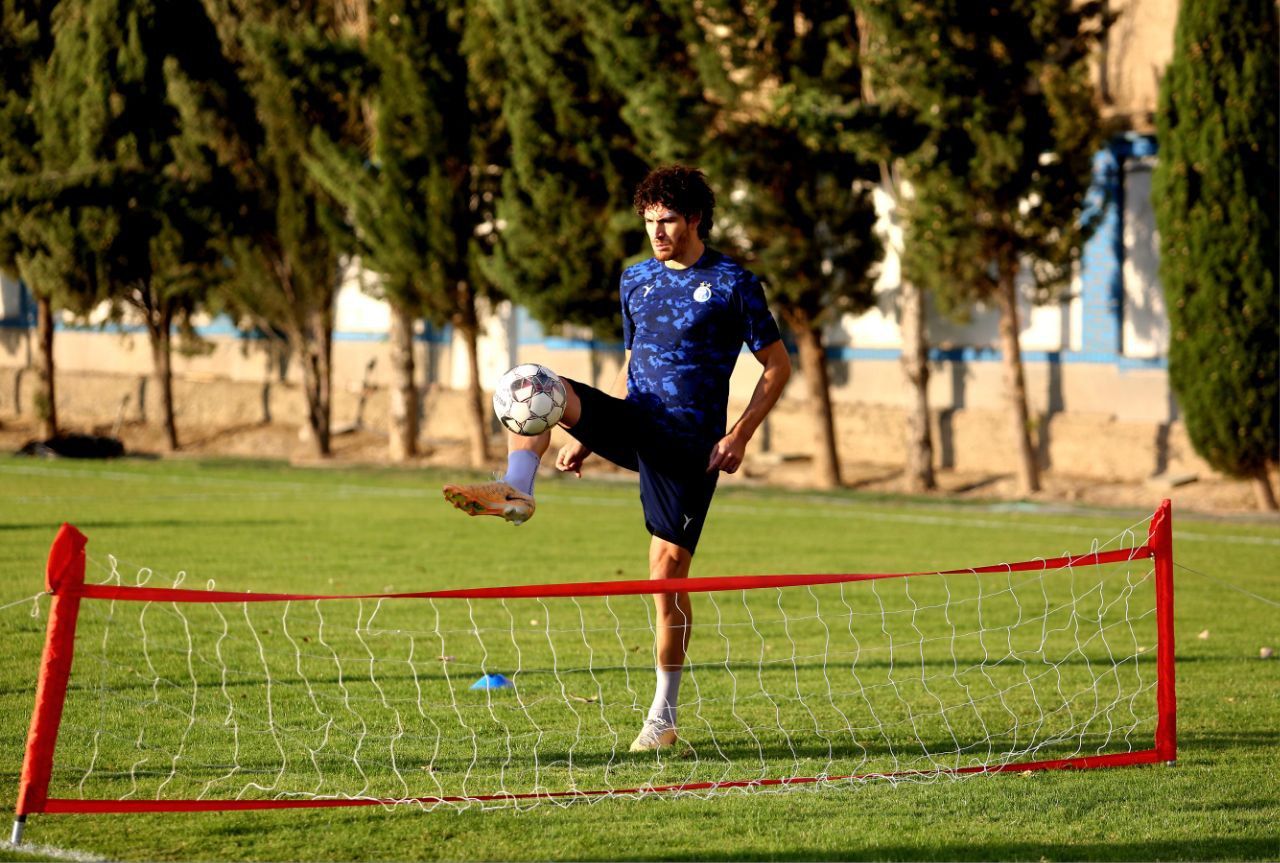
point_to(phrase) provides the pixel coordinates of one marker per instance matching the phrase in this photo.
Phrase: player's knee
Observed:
(668, 560)
(665, 567)
(572, 405)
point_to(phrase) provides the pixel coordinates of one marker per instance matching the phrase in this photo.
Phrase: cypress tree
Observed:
(160, 260)
(801, 208)
(668, 82)
(409, 193)
(291, 75)
(1217, 196)
(887, 137)
(564, 216)
(1006, 112)
(26, 39)
(53, 243)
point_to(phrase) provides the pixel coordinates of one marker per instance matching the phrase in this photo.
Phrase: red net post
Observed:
(1160, 540)
(64, 579)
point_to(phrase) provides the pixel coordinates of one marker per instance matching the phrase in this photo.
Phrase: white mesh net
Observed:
(902, 678)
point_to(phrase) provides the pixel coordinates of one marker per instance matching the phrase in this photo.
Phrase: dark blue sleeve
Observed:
(759, 329)
(628, 325)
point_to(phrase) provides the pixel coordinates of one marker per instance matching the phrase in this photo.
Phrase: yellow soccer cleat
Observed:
(655, 734)
(491, 498)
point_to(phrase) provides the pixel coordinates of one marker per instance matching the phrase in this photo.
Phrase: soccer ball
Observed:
(529, 399)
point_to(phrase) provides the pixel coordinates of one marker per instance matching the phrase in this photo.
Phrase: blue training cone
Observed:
(492, 681)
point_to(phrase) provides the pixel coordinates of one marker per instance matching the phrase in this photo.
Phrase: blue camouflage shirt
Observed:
(685, 329)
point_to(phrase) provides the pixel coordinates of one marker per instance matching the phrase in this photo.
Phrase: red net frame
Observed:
(65, 582)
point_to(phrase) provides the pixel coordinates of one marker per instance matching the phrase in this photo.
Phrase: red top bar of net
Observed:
(607, 588)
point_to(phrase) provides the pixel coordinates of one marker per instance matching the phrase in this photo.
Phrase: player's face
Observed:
(670, 234)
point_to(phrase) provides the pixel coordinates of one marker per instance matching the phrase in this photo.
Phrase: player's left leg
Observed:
(675, 613)
(676, 493)
(675, 625)
(511, 497)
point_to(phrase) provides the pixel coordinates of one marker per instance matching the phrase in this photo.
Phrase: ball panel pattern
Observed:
(529, 399)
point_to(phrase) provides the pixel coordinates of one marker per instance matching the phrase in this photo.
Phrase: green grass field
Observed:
(265, 527)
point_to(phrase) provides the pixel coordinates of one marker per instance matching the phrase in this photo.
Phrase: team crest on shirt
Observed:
(703, 293)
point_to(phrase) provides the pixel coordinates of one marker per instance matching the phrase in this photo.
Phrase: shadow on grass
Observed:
(1223, 740)
(1207, 848)
(762, 756)
(758, 758)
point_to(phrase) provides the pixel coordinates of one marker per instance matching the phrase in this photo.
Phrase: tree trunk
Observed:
(915, 364)
(404, 392)
(468, 324)
(159, 329)
(813, 366)
(1015, 384)
(314, 345)
(46, 397)
(1263, 492)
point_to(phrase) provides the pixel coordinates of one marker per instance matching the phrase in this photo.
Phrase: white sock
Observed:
(666, 697)
(522, 468)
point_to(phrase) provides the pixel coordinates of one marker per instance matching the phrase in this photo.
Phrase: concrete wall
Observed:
(1136, 51)
(1097, 445)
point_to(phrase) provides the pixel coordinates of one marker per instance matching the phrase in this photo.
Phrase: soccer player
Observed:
(686, 313)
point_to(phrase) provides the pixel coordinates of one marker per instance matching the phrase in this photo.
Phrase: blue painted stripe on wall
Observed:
(432, 335)
(222, 329)
(937, 355)
(839, 354)
(214, 330)
(992, 355)
(557, 343)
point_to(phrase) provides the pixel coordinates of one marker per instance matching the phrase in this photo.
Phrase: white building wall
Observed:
(1146, 321)
(357, 308)
(10, 298)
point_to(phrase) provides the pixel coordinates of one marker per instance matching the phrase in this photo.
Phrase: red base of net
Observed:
(66, 805)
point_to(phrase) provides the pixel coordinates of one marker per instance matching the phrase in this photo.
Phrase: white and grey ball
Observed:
(529, 399)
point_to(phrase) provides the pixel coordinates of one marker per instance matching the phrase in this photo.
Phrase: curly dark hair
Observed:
(681, 188)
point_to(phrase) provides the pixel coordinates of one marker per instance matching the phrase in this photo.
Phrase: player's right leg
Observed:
(511, 498)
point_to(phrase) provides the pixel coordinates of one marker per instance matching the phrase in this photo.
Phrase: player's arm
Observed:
(619, 388)
(573, 454)
(728, 453)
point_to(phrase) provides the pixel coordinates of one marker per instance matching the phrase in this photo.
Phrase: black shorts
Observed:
(675, 488)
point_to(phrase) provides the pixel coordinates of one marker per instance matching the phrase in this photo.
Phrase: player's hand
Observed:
(571, 457)
(727, 454)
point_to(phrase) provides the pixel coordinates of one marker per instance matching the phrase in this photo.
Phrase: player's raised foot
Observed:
(655, 734)
(491, 498)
